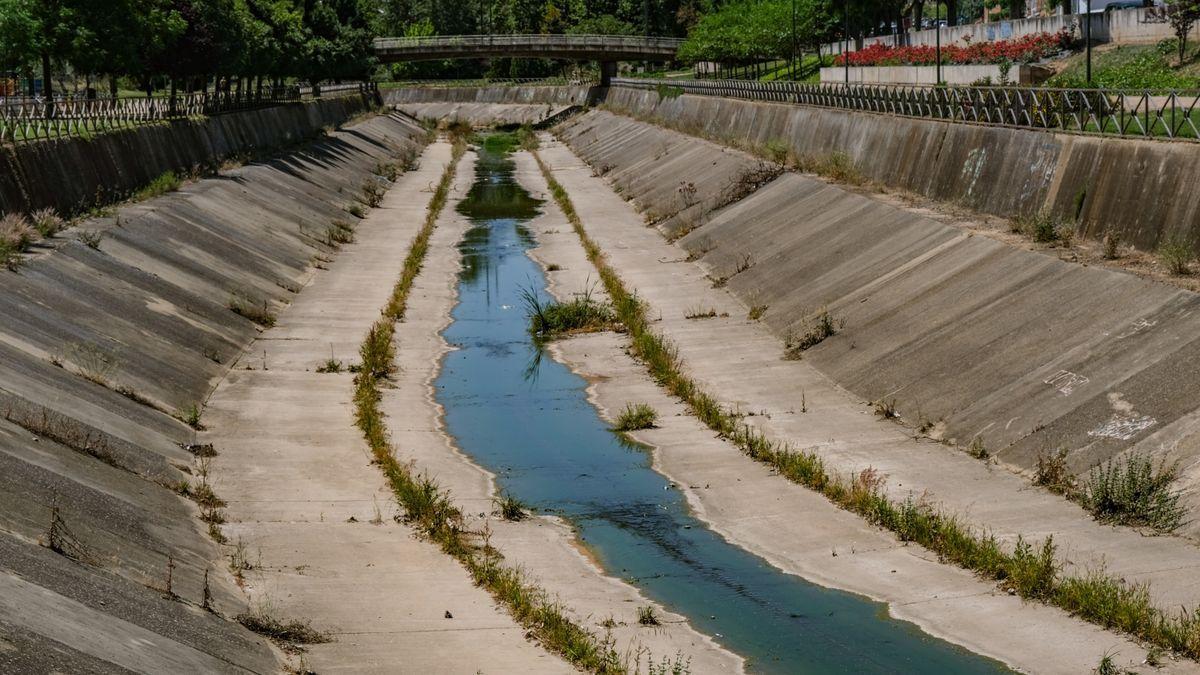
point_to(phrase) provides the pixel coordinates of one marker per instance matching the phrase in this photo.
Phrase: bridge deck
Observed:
(581, 47)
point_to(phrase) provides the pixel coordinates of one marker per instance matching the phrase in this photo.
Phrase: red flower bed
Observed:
(1025, 49)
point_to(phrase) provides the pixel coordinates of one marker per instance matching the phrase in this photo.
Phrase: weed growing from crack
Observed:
(822, 326)
(243, 305)
(1176, 256)
(509, 507)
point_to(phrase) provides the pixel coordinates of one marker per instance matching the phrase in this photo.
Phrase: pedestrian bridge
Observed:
(607, 49)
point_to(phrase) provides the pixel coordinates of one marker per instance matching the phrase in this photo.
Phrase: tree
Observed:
(18, 50)
(1182, 14)
(606, 24)
(756, 30)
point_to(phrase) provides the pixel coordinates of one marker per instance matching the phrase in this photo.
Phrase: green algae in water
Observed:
(527, 418)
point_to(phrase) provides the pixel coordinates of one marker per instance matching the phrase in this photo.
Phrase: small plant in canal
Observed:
(330, 366)
(260, 313)
(285, 632)
(510, 508)
(822, 326)
(647, 616)
(636, 416)
(581, 314)
(1052, 473)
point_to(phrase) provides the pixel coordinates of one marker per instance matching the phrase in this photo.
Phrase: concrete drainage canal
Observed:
(526, 417)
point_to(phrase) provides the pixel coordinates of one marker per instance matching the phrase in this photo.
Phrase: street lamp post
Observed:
(1088, 38)
(937, 32)
(793, 59)
(846, 30)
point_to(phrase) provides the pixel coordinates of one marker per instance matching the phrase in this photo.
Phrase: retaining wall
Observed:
(102, 347)
(1018, 75)
(1125, 26)
(1142, 188)
(74, 175)
(562, 95)
(976, 337)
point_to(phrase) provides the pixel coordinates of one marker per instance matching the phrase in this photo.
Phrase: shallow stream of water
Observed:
(527, 418)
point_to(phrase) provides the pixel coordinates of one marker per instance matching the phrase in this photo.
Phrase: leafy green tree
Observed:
(606, 24)
(756, 30)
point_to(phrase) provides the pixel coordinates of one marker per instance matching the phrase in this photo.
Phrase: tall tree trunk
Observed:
(112, 86)
(952, 12)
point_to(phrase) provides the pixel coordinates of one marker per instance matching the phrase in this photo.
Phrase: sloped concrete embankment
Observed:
(102, 346)
(747, 502)
(1026, 352)
(73, 175)
(738, 360)
(1142, 189)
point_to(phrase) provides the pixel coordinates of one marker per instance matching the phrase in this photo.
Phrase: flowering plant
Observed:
(1025, 49)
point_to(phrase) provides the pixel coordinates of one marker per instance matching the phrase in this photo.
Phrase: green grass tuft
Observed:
(1176, 256)
(581, 314)
(167, 182)
(636, 416)
(510, 508)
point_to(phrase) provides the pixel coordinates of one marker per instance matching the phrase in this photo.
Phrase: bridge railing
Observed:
(1147, 114)
(600, 42)
(499, 82)
(27, 119)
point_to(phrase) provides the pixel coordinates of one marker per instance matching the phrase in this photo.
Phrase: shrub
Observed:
(527, 138)
(1176, 256)
(90, 238)
(372, 192)
(244, 305)
(634, 417)
(1112, 245)
(1052, 474)
(647, 616)
(296, 632)
(1134, 492)
(1041, 227)
(339, 232)
(509, 507)
(10, 256)
(777, 151)
(16, 233)
(47, 222)
(1026, 49)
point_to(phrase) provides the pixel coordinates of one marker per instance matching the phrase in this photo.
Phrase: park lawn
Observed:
(1132, 67)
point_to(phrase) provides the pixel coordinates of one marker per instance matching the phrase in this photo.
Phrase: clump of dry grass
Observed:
(16, 234)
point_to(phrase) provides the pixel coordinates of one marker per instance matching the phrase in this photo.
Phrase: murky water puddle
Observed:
(528, 419)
